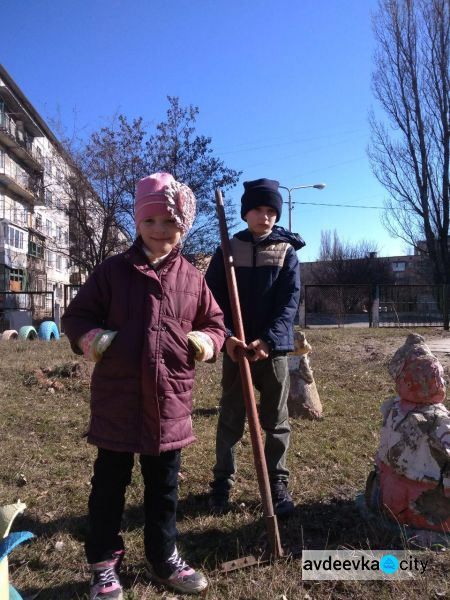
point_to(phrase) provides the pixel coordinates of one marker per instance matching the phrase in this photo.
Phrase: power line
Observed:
(350, 206)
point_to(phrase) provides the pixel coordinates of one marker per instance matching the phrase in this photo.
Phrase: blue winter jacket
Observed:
(268, 280)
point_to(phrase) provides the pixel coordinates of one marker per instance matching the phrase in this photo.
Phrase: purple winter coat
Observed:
(141, 390)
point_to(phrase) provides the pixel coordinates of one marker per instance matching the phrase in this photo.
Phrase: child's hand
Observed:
(202, 344)
(232, 345)
(95, 342)
(257, 350)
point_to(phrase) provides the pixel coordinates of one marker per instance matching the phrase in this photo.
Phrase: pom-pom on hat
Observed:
(261, 192)
(160, 194)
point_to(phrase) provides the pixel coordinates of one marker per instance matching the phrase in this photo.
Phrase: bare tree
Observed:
(107, 167)
(410, 154)
(342, 262)
(175, 147)
(90, 187)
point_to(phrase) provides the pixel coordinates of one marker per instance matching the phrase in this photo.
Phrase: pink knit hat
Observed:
(160, 194)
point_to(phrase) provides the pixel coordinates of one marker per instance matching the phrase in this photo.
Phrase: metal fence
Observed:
(25, 308)
(336, 305)
(329, 305)
(412, 305)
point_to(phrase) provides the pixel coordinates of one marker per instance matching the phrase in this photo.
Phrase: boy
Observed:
(268, 280)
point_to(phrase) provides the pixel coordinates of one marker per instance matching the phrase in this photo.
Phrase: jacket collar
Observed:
(137, 257)
(278, 234)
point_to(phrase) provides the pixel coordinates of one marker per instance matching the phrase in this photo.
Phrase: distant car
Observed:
(383, 308)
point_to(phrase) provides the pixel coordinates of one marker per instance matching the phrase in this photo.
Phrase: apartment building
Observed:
(34, 217)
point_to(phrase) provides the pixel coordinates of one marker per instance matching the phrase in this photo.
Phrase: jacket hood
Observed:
(278, 234)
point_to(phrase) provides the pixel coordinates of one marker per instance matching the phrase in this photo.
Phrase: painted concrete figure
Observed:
(303, 400)
(412, 481)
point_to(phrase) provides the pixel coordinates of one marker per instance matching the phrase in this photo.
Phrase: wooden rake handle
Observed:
(247, 387)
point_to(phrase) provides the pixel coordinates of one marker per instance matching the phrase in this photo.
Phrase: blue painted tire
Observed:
(27, 332)
(14, 594)
(48, 330)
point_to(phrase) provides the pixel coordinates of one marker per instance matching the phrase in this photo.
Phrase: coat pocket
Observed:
(176, 350)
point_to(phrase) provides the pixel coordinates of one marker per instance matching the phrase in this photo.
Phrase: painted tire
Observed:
(27, 332)
(48, 330)
(10, 334)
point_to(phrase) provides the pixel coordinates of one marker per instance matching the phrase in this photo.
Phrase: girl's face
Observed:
(160, 234)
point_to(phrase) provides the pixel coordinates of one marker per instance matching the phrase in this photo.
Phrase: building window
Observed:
(48, 198)
(58, 262)
(13, 236)
(398, 267)
(38, 221)
(21, 216)
(48, 165)
(2, 159)
(35, 249)
(16, 280)
(48, 227)
(50, 259)
(4, 278)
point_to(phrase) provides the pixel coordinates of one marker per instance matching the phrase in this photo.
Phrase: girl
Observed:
(143, 316)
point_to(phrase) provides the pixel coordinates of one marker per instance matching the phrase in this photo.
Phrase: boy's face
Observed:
(260, 220)
(160, 234)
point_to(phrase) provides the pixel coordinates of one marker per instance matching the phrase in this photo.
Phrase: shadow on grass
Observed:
(331, 524)
(75, 526)
(315, 526)
(205, 412)
(66, 591)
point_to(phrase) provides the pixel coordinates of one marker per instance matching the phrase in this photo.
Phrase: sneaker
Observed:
(105, 584)
(175, 573)
(282, 500)
(218, 502)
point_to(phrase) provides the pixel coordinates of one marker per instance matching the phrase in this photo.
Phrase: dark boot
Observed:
(283, 505)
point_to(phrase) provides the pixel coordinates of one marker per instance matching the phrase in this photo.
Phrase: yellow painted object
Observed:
(7, 515)
(4, 578)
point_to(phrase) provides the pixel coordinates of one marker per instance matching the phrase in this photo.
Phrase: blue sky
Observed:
(283, 87)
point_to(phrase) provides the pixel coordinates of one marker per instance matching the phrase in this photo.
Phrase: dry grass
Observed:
(42, 443)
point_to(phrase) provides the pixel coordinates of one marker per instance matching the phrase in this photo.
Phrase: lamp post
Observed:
(317, 186)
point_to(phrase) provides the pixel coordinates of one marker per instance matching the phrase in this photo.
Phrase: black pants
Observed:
(112, 474)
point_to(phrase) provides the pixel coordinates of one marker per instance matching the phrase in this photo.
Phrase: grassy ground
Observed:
(47, 464)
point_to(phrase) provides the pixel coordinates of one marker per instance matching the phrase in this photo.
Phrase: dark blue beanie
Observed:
(261, 192)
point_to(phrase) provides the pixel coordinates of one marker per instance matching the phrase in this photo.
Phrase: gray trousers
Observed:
(271, 379)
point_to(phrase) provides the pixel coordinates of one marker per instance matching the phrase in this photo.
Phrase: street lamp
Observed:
(317, 186)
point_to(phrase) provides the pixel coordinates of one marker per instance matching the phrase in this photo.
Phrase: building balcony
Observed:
(16, 142)
(18, 109)
(22, 185)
